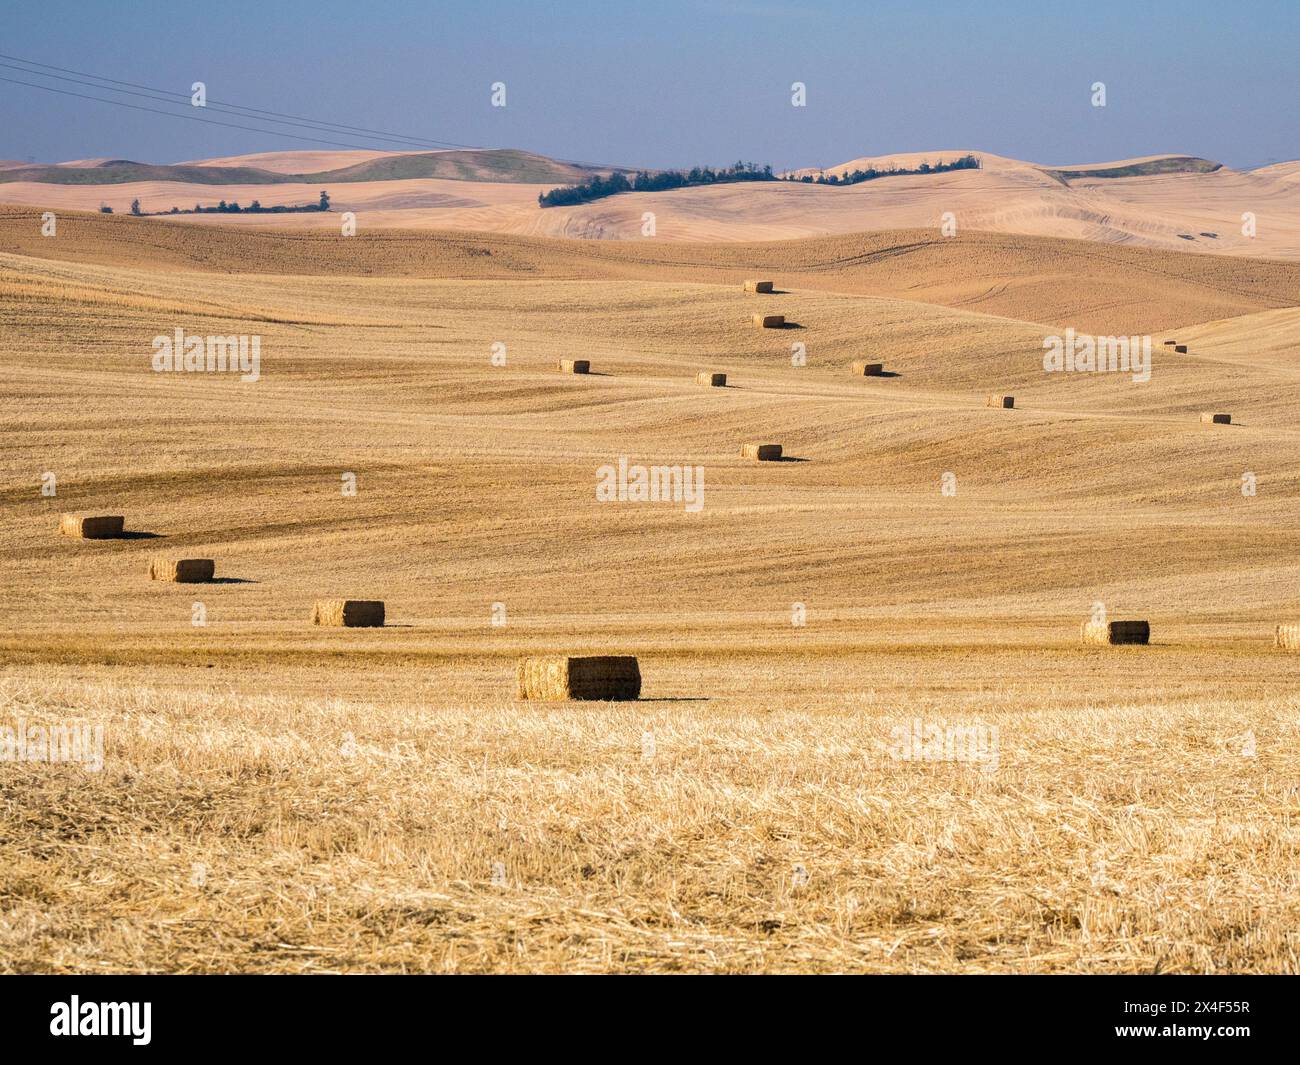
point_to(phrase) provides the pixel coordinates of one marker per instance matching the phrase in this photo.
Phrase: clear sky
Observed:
(670, 82)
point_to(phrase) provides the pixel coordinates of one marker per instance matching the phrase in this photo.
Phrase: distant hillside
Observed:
(523, 168)
(1163, 164)
(124, 171)
(505, 166)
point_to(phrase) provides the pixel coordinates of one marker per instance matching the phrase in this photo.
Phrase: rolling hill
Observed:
(1170, 201)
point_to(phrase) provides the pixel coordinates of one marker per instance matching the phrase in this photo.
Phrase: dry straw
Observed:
(575, 366)
(758, 286)
(769, 321)
(596, 677)
(1002, 401)
(1116, 632)
(182, 570)
(868, 369)
(717, 380)
(1287, 637)
(1216, 419)
(97, 527)
(762, 452)
(350, 613)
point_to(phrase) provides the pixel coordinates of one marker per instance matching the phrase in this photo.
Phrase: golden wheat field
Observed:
(280, 797)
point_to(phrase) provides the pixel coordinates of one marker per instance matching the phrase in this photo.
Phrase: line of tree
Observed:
(598, 187)
(233, 208)
(966, 162)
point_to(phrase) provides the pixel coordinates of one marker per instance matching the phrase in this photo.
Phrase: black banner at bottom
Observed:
(1222, 1015)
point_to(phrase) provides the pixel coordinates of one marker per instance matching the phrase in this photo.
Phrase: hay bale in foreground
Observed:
(868, 369)
(182, 570)
(1181, 349)
(761, 452)
(349, 613)
(1216, 419)
(769, 321)
(575, 366)
(1109, 632)
(1287, 637)
(596, 677)
(1005, 402)
(92, 527)
(716, 380)
(758, 286)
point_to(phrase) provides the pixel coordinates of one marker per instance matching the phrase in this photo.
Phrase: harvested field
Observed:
(1101, 288)
(279, 796)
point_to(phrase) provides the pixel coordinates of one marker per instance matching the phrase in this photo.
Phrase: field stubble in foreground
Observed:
(231, 832)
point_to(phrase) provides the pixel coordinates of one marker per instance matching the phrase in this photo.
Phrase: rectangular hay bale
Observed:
(1111, 632)
(868, 369)
(92, 527)
(762, 452)
(1287, 637)
(1181, 349)
(575, 366)
(558, 677)
(716, 380)
(349, 613)
(1006, 402)
(758, 286)
(769, 321)
(1216, 419)
(182, 570)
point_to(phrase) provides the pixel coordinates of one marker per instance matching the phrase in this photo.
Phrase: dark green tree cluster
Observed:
(966, 162)
(598, 187)
(253, 208)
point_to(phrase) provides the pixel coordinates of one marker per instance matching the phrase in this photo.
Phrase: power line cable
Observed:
(320, 125)
(221, 105)
(191, 118)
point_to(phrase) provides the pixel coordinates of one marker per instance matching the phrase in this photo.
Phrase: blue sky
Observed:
(675, 83)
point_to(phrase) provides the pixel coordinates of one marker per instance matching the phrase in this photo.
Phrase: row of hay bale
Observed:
(764, 321)
(1208, 418)
(777, 321)
(719, 380)
(369, 613)
(113, 527)
(583, 366)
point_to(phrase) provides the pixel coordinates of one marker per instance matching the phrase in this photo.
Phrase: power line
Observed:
(320, 127)
(253, 111)
(274, 117)
(191, 118)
